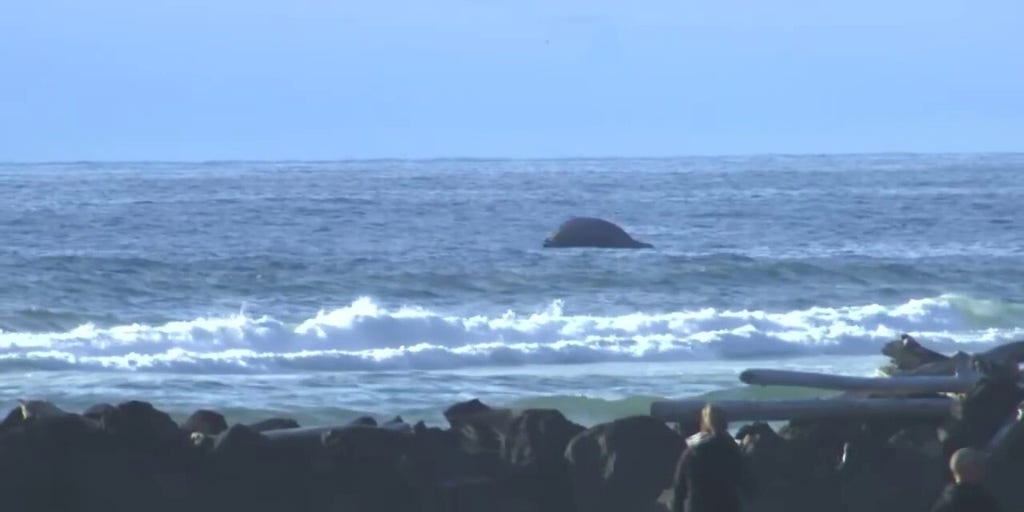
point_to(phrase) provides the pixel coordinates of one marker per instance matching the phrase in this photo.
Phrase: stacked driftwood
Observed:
(920, 383)
(882, 443)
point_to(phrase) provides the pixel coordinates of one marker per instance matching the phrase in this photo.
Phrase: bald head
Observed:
(967, 464)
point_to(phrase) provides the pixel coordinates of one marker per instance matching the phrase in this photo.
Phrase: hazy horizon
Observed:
(313, 80)
(525, 159)
(507, 158)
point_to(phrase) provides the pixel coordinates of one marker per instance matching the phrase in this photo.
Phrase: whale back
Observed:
(591, 232)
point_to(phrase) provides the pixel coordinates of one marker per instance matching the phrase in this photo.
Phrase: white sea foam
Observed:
(365, 336)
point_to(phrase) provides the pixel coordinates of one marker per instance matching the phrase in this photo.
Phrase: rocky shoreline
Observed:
(133, 457)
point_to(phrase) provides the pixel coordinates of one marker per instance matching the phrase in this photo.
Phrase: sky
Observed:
(345, 79)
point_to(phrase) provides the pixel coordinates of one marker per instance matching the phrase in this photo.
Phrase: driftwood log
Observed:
(909, 357)
(777, 410)
(907, 354)
(885, 385)
(314, 434)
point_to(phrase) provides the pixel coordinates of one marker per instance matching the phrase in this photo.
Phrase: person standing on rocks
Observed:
(710, 473)
(966, 493)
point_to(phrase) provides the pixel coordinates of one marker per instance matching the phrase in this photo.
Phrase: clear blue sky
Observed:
(319, 79)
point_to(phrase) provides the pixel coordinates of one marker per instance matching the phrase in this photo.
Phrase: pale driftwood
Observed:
(911, 358)
(313, 434)
(777, 410)
(907, 354)
(885, 385)
(1007, 353)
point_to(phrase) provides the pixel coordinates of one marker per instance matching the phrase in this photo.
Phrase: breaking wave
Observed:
(364, 336)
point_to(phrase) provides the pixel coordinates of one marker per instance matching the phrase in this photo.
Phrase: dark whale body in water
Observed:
(592, 232)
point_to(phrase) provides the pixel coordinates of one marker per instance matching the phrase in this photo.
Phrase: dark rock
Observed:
(41, 463)
(145, 457)
(796, 468)
(97, 411)
(239, 440)
(981, 414)
(439, 457)
(365, 444)
(274, 424)
(370, 468)
(592, 232)
(365, 421)
(240, 472)
(753, 431)
(479, 429)
(820, 443)
(136, 423)
(84, 468)
(205, 422)
(1005, 467)
(397, 424)
(892, 476)
(456, 412)
(770, 459)
(536, 440)
(13, 418)
(534, 446)
(622, 465)
(483, 495)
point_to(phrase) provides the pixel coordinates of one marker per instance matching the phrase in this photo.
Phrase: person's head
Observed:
(967, 465)
(712, 420)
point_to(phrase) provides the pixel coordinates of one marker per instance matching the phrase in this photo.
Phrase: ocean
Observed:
(327, 290)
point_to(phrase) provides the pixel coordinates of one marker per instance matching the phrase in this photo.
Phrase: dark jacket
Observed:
(710, 475)
(965, 497)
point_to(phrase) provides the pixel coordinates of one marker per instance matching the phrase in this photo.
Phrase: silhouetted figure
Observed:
(710, 473)
(966, 494)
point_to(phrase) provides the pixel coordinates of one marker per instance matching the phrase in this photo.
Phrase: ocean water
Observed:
(325, 290)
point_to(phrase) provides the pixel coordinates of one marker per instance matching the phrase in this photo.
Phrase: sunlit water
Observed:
(326, 290)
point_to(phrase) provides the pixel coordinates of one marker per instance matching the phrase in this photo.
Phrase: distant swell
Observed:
(364, 336)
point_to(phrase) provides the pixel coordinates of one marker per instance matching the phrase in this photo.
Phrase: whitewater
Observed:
(326, 290)
(366, 337)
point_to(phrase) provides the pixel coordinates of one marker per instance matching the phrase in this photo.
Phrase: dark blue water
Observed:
(186, 273)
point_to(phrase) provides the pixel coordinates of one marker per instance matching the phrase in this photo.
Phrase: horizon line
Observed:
(505, 158)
